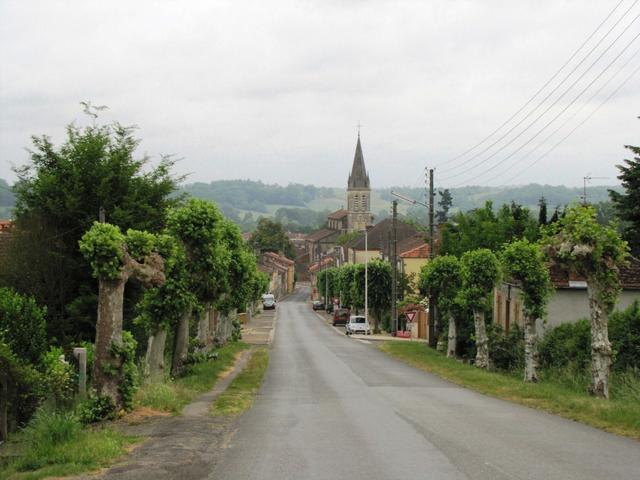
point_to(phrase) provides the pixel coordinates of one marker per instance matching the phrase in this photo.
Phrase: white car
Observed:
(268, 301)
(357, 324)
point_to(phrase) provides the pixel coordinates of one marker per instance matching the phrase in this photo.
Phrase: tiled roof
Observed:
(320, 234)
(278, 258)
(629, 276)
(421, 251)
(338, 214)
(379, 233)
(327, 261)
(410, 243)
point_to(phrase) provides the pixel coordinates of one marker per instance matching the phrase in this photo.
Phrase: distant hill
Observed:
(304, 207)
(238, 198)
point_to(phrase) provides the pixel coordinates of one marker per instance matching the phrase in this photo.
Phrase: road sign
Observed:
(410, 316)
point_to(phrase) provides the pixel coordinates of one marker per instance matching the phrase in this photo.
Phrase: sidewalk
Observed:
(261, 329)
(377, 337)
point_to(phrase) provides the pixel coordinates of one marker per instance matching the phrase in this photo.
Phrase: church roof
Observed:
(359, 178)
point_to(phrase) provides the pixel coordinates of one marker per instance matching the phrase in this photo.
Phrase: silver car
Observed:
(357, 324)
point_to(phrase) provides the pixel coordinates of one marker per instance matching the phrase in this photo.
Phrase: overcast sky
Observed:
(273, 90)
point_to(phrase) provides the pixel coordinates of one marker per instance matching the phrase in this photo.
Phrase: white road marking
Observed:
(363, 341)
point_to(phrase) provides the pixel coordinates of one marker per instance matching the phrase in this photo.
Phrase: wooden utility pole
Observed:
(394, 269)
(433, 331)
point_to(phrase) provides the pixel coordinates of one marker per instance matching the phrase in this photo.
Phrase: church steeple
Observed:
(359, 178)
(358, 193)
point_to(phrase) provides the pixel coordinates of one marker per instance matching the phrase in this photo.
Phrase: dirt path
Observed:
(185, 447)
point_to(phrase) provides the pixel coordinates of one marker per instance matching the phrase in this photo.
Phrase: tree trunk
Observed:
(482, 342)
(203, 327)
(600, 346)
(452, 344)
(107, 373)
(530, 349)
(4, 402)
(154, 358)
(108, 331)
(181, 344)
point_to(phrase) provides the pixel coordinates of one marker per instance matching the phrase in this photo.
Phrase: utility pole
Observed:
(433, 331)
(394, 269)
(586, 179)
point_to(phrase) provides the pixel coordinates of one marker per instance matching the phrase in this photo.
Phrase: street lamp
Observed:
(366, 274)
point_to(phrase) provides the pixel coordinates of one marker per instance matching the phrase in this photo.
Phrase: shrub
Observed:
(96, 409)
(506, 350)
(236, 333)
(624, 333)
(22, 325)
(566, 344)
(59, 376)
(129, 371)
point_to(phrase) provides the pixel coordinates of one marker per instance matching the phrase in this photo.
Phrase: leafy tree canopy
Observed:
(442, 278)
(58, 196)
(627, 204)
(593, 251)
(480, 271)
(270, 236)
(523, 262)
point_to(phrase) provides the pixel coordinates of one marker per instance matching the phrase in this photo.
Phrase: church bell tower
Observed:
(358, 193)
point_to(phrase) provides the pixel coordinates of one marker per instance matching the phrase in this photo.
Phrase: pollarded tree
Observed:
(596, 253)
(58, 196)
(523, 263)
(162, 307)
(379, 290)
(442, 278)
(346, 277)
(114, 259)
(480, 274)
(199, 226)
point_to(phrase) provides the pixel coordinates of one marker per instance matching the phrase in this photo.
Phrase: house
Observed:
(415, 253)
(281, 272)
(378, 241)
(338, 220)
(6, 229)
(569, 301)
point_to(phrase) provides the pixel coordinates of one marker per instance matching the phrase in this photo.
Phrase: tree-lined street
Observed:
(333, 407)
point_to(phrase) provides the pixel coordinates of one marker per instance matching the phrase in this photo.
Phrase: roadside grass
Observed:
(241, 393)
(57, 444)
(173, 395)
(620, 414)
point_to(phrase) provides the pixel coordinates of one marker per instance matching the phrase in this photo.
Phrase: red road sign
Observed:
(410, 316)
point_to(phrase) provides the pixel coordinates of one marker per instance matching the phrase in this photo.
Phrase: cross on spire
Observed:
(359, 125)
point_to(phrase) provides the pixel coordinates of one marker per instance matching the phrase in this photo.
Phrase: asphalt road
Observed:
(333, 407)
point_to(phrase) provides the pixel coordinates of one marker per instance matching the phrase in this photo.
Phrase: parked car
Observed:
(357, 324)
(341, 316)
(268, 301)
(330, 307)
(318, 305)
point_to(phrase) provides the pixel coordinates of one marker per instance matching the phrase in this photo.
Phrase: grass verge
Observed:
(621, 416)
(173, 395)
(241, 393)
(56, 444)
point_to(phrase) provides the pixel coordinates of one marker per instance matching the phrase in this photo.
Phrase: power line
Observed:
(553, 90)
(588, 101)
(611, 95)
(549, 122)
(561, 111)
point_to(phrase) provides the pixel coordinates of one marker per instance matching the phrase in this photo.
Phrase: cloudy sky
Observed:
(273, 90)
